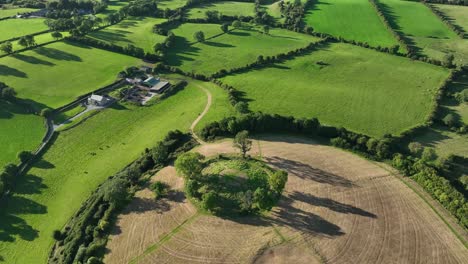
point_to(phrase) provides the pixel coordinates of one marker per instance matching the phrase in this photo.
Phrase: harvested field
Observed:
(337, 208)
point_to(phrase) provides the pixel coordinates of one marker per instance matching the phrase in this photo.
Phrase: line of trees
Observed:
(293, 13)
(84, 237)
(448, 2)
(457, 29)
(423, 170)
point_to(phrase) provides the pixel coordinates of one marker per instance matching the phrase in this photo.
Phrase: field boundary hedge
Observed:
(33, 34)
(454, 27)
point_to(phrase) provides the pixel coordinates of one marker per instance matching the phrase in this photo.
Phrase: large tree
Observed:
(189, 164)
(6, 47)
(199, 36)
(242, 142)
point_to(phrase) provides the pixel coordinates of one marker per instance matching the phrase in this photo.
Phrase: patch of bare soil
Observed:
(337, 208)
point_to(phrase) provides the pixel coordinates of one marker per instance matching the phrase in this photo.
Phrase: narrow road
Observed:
(207, 108)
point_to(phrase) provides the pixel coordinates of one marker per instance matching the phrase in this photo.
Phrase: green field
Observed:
(234, 49)
(350, 19)
(56, 74)
(40, 39)
(137, 31)
(19, 131)
(12, 28)
(425, 30)
(79, 160)
(228, 8)
(357, 88)
(14, 11)
(445, 142)
(458, 14)
(171, 4)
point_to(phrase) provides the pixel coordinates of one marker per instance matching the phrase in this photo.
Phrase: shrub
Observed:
(189, 164)
(428, 154)
(160, 189)
(57, 235)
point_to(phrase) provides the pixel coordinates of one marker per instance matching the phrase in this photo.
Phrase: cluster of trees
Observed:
(160, 48)
(425, 170)
(85, 236)
(448, 2)
(261, 15)
(261, 191)
(234, 96)
(7, 93)
(141, 8)
(293, 12)
(457, 29)
(130, 50)
(78, 25)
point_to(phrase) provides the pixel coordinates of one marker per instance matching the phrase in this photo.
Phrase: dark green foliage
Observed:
(57, 235)
(190, 164)
(160, 189)
(25, 156)
(242, 142)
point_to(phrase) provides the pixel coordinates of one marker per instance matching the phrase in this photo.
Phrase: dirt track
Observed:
(337, 208)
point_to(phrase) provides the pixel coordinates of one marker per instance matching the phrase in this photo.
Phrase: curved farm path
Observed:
(207, 108)
(337, 208)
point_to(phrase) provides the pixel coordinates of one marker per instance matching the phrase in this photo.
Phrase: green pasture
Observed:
(78, 161)
(137, 31)
(14, 11)
(345, 85)
(234, 49)
(228, 8)
(55, 74)
(458, 14)
(444, 141)
(425, 30)
(186, 31)
(18, 27)
(40, 39)
(19, 131)
(350, 19)
(171, 4)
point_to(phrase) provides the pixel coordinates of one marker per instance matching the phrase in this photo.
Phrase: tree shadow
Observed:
(31, 184)
(43, 164)
(330, 204)
(239, 33)
(12, 226)
(181, 52)
(8, 71)
(32, 59)
(305, 171)
(57, 54)
(118, 106)
(112, 36)
(218, 44)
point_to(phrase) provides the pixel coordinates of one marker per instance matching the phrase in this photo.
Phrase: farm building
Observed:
(155, 84)
(98, 100)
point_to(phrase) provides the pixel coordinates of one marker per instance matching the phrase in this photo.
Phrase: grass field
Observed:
(14, 11)
(427, 32)
(228, 8)
(12, 28)
(137, 31)
(171, 4)
(19, 131)
(234, 49)
(56, 74)
(78, 161)
(359, 89)
(336, 206)
(458, 14)
(40, 39)
(445, 142)
(352, 20)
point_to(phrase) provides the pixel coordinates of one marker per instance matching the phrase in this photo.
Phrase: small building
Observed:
(98, 100)
(155, 84)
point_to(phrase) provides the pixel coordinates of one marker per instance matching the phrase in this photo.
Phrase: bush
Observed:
(57, 235)
(160, 189)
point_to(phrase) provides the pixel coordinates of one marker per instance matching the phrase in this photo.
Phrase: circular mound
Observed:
(236, 186)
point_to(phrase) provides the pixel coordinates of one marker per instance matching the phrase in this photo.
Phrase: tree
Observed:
(8, 175)
(225, 27)
(25, 156)
(159, 189)
(428, 154)
(2, 187)
(199, 36)
(209, 200)
(242, 142)
(190, 164)
(242, 107)
(160, 154)
(237, 24)
(56, 35)
(415, 148)
(46, 112)
(30, 41)
(115, 191)
(8, 93)
(278, 180)
(448, 60)
(57, 235)
(23, 42)
(266, 29)
(6, 47)
(450, 120)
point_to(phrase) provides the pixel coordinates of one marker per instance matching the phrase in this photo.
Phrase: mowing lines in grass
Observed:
(345, 85)
(77, 162)
(350, 19)
(56, 74)
(234, 49)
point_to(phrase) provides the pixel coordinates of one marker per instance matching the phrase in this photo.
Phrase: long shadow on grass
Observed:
(31, 184)
(181, 51)
(112, 36)
(307, 172)
(57, 54)
(218, 44)
(9, 71)
(32, 59)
